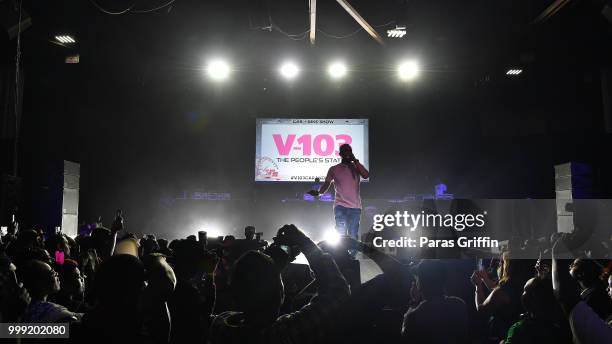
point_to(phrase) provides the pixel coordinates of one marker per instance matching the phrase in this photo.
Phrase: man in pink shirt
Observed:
(346, 177)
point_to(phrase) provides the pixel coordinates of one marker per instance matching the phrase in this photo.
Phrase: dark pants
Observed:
(347, 221)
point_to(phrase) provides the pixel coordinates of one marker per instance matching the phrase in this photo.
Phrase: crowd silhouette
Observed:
(112, 287)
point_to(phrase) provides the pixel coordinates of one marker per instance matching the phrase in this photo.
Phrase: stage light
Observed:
(65, 39)
(212, 228)
(218, 70)
(408, 70)
(212, 232)
(514, 71)
(337, 70)
(332, 237)
(398, 32)
(289, 70)
(301, 259)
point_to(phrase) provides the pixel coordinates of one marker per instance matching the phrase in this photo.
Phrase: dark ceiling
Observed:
(451, 35)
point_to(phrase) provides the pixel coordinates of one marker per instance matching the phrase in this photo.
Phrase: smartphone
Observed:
(3, 230)
(480, 266)
(59, 257)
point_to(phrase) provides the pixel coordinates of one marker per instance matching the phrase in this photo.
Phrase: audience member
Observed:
(587, 273)
(163, 247)
(609, 289)
(116, 316)
(503, 304)
(258, 293)
(14, 298)
(192, 302)
(41, 280)
(249, 232)
(72, 291)
(586, 325)
(538, 324)
(437, 318)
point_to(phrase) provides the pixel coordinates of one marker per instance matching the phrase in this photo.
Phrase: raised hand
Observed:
(565, 288)
(290, 235)
(476, 278)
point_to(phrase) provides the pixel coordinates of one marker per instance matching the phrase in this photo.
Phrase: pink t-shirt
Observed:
(346, 180)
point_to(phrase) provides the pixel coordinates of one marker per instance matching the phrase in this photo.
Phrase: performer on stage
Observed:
(346, 177)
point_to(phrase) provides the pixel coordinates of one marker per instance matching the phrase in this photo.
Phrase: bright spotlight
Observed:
(218, 70)
(332, 237)
(65, 39)
(211, 228)
(289, 70)
(337, 70)
(514, 71)
(301, 259)
(408, 70)
(211, 232)
(398, 32)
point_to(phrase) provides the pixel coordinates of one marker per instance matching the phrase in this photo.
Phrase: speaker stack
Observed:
(56, 199)
(70, 198)
(573, 180)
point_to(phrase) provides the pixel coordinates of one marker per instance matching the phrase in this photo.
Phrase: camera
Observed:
(289, 248)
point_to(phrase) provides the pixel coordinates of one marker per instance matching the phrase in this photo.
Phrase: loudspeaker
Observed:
(573, 180)
(57, 198)
(70, 198)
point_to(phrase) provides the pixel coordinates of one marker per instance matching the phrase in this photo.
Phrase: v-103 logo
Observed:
(321, 145)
